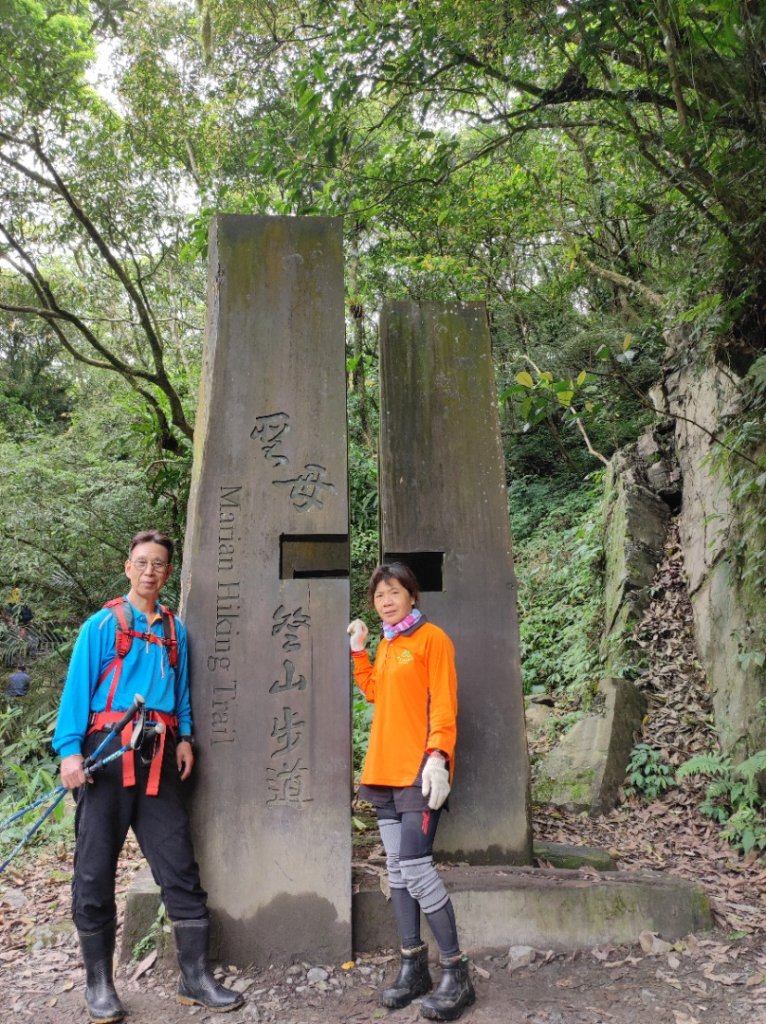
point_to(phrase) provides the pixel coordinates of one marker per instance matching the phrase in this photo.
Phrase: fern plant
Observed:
(732, 796)
(648, 774)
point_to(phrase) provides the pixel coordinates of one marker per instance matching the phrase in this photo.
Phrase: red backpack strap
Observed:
(122, 613)
(169, 633)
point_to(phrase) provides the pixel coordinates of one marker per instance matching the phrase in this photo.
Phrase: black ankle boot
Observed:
(197, 984)
(413, 979)
(454, 993)
(97, 948)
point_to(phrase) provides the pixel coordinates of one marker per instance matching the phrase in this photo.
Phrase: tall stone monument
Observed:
(266, 594)
(444, 512)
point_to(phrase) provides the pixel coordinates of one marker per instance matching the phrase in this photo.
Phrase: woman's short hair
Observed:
(394, 571)
(153, 537)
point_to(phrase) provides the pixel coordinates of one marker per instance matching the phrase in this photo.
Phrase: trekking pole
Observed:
(138, 707)
(135, 741)
(61, 792)
(26, 810)
(90, 765)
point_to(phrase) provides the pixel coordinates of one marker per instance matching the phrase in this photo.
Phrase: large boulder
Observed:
(585, 769)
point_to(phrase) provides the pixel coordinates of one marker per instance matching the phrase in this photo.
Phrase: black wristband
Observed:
(186, 738)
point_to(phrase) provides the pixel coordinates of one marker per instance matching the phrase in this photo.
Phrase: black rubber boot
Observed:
(454, 993)
(97, 948)
(196, 985)
(413, 979)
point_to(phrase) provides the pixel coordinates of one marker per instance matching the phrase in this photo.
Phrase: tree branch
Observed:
(144, 314)
(652, 297)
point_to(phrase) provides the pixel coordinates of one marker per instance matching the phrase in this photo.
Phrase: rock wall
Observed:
(725, 618)
(669, 470)
(635, 524)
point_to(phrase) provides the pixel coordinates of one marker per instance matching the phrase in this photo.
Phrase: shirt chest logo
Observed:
(404, 657)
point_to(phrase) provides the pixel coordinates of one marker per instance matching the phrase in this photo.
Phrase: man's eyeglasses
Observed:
(142, 563)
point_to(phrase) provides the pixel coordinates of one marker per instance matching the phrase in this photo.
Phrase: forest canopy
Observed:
(592, 170)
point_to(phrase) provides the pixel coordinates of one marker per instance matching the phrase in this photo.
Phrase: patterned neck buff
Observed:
(389, 632)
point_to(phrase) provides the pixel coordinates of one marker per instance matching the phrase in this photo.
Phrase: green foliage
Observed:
(152, 939)
(33, 390)
(25, 739)
(91, 222)
(589, 400)
(649, 776)
(557, 550)
(559, 724)
(29, 771)
(48, 49)
(733, 797)
(363, 506)
(361, 720)
(70, 502)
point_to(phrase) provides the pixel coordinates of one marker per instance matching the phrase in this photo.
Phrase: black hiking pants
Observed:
(105, 811)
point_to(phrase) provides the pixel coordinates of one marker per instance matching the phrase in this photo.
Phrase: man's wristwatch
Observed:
(186, 738)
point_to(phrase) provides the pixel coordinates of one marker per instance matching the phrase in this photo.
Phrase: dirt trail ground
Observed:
(717, 982)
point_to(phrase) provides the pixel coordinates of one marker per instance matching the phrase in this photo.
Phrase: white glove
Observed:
(358, 634)
(435, 781)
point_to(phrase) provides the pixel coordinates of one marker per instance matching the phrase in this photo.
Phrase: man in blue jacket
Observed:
(134, 645)
(18, 682)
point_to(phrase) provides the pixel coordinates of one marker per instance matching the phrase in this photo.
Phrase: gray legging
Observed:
(415, 884)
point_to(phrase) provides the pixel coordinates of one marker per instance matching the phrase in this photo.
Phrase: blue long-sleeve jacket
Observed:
(146, 670)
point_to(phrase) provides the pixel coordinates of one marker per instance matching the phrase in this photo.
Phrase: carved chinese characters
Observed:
(265, 594)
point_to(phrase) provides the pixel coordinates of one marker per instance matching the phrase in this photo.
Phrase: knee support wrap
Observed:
(391, 836)
(424, 884)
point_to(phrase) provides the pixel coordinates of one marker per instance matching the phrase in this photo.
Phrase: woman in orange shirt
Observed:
(407, 777)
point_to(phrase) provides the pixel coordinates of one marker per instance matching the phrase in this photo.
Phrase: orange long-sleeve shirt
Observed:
(413, 685)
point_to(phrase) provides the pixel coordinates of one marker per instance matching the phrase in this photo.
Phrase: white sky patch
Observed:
(101, 75)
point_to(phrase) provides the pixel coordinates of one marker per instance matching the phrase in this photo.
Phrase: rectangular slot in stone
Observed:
(314, 557)
(428, 567)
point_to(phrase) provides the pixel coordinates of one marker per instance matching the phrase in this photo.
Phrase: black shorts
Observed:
(394, 799)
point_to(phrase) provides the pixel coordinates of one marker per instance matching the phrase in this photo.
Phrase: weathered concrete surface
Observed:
(547, 908)
(586, 767)
(444, 507)
(656, 450)
(268, 531)
(536, 715)
(543, 907)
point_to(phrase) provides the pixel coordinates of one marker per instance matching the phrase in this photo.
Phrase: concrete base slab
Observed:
(547, 908)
